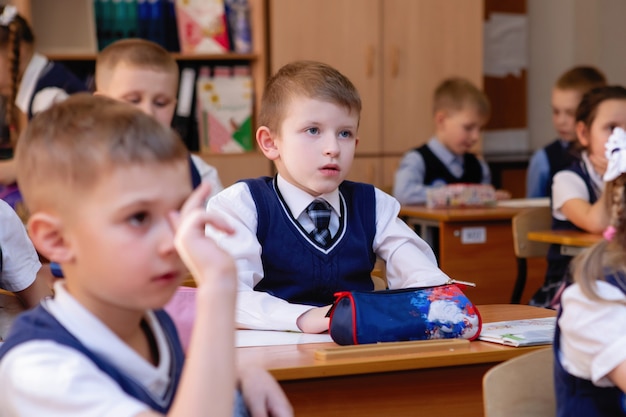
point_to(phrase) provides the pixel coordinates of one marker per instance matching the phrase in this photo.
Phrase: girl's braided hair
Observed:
(14, 30)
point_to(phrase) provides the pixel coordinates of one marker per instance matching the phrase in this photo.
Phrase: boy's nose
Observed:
(166, 239)
(331, 146)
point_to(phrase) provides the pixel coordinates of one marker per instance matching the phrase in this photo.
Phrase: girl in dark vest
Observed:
(589, 345)
(576, 190)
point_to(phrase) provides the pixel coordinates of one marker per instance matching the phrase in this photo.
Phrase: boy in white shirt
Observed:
(306, 233)
(116, 214)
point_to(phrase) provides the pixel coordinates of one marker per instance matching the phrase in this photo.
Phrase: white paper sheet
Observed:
(245, 338)
(505, 44)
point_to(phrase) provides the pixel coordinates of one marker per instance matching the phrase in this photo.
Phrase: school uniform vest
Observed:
(578, 167)
(196, 179)
(295, 267)
(578, 397)
(558, 264)
(559, 158)
(56, 75)
(39, 324)
(436, 171)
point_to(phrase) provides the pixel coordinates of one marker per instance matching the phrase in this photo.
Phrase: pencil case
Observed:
(439, 312)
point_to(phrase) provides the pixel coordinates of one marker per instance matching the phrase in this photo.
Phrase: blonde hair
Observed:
(66, 149)
(455, 93)
(606, 256)
(581, 79)
(310, 79)
(134, 52)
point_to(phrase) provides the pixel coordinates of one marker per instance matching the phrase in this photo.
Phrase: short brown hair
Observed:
(139, 53)
(581, 78)
(455, 93)
(306, 78)
(68, 147)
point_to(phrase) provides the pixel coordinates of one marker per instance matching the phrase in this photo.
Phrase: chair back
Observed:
(521, 387)
(536, 218)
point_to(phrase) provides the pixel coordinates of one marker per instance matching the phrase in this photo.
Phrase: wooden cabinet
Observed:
(395, 52)
(75, 45)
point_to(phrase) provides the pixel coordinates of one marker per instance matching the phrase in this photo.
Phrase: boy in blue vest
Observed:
(460, 111)
(115, 212)
(144, 74)
(567, 93)
(307, 233)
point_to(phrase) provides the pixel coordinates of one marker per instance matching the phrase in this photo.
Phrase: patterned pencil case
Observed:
(440, 312)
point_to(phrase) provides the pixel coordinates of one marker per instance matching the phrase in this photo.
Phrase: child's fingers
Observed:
(197, 198)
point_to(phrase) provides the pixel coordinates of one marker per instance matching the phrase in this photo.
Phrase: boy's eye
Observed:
(313, 130)
(162, 103)
(346, 134)
(139, 218)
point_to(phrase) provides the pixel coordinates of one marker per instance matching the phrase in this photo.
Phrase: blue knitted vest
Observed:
(295, 267)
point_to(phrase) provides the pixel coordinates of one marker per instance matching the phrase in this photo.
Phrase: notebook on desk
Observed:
(527, 332)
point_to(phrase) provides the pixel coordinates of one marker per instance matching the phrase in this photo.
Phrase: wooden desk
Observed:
(572, 242)
(476, 245)
(438, 383)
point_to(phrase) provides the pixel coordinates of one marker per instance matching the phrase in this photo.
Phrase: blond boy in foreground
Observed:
(117, 215)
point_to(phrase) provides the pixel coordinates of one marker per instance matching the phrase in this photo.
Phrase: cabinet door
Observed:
(424, 41)
(341, 33)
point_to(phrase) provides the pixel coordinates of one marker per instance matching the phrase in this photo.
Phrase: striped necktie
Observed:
(319, 212)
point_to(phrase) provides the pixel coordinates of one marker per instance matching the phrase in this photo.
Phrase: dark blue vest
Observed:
(577, 397)
(559, 158)
(558, 265)
(295, 268)
(39, 324)
(56, 75)
(436, 170)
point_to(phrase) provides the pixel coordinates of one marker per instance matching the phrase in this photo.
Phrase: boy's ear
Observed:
(267, 143)
(582, 133)
(46, 233)
(440, 117)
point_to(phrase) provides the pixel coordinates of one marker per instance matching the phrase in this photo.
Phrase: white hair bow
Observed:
(8, 14)
(615, 151)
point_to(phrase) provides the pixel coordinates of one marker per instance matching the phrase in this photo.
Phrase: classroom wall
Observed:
(564, 33)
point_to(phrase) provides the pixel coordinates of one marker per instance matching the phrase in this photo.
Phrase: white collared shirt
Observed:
(50, 379)
(567, 185)
(410, 261)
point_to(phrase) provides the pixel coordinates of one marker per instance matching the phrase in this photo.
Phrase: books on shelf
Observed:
(224, 109)
(527, 332)
(188, 26)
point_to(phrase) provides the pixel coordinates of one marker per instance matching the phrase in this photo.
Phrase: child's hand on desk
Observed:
(204, 258)
(262, 394)
(314, 320)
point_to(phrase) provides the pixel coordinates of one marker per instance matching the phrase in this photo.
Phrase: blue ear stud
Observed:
(56, 270)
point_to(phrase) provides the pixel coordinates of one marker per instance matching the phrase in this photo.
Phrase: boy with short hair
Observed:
(567, 93)
(307, 233)
(460, 110)
(116, 214)
(145, 75)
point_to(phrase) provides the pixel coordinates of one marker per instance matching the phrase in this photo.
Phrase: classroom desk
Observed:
(476, 245)
(440, 383)
(572, 241)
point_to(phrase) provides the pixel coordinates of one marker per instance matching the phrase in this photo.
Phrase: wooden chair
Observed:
(521, 387)
(539, 218)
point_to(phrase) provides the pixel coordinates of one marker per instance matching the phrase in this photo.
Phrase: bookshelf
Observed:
(65, 32)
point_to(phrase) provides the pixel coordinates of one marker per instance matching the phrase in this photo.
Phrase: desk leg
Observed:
(454, 391)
